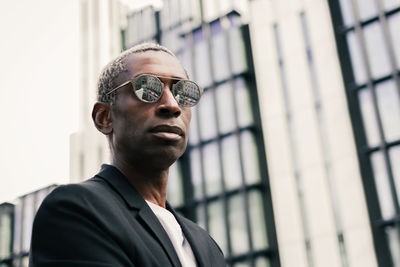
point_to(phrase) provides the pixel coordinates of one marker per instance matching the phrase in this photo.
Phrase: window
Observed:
(16, 227)
(220, 180)
(224, 147)
(6, 222)
(141, 27)
(368, 32)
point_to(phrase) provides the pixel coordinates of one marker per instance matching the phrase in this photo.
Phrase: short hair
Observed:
(114, 68)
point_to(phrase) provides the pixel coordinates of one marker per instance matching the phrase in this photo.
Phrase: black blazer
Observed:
(104, 221)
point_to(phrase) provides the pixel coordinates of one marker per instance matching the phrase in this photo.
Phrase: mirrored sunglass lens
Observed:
(148, 88)
(186, 93)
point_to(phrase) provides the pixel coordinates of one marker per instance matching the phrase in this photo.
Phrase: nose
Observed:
(167, 105)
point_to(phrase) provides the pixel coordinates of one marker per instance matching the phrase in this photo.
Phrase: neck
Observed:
(151, 184)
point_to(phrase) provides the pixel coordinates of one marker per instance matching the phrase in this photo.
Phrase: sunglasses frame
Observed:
(133, 80)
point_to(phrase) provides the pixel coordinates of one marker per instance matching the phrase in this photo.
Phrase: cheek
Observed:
(188, 114)
(125, 125)
(187, 118)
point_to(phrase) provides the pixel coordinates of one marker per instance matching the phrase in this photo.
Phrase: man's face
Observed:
(152, 135)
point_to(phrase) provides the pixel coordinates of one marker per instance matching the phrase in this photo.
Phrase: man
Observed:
(120, 217)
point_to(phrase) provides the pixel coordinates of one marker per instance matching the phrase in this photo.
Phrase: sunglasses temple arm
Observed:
(122, 85)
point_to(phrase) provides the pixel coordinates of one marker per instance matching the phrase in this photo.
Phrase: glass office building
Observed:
(331, 116)
(16, 227)
(368, 39)
(220, 182)
(6, 229)
(293, 156)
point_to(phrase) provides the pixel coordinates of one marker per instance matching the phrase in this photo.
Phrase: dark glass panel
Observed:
(27, 220)
(389, 107)
(225, 105)
(394, 155)
(257, 222)
(347, 12)
(394, 26)
(368, 116)
(389, 4)
(250, 158)
(195, 168)
(238, 229)
(237, 50)
(219, 52)
(393, 234)
(231, 162)
(378, 55)
(217, 224)
(382, 185)
(243, 103)
(208, 123)
(357, 59)
(175, 190)
(202, 63)
(193, 128)
(367, 9)
(212, 165)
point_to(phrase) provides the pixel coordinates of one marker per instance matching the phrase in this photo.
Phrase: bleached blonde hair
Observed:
(114, 68)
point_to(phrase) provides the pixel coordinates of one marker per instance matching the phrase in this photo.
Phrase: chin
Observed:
(169, 156)
(160, 156)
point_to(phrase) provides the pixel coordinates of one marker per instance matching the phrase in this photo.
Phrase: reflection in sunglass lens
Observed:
(148, 88)
(186, 93)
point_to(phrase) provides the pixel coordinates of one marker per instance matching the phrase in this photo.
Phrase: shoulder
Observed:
(77, 214)
(78, 193)
(91, 185)
(73, 212)
(85, 197)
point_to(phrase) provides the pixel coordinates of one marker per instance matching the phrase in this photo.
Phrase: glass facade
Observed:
(221, 181)
(6, 223)
(16, 228)
(368, 44)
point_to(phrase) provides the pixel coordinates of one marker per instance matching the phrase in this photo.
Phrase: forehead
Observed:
(154, 62)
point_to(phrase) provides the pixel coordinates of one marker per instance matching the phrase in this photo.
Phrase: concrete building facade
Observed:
(323, 164)
(293, 150)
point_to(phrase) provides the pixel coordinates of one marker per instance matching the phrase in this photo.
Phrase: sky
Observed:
(39, 53)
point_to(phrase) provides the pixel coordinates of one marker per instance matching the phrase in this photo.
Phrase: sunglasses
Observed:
(149, 88)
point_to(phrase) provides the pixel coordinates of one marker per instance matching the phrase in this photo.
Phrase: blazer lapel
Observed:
(199, 249)
(134, 200)
(148, 217)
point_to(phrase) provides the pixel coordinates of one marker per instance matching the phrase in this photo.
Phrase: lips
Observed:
(168, 132)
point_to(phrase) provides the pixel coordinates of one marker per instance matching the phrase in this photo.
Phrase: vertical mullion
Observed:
(225, 21)
(201, 11)
(189, 196)
(21, 227)
(203, 187)
(389, 44)
(157, 15)
(259, 139)
(7, 209)
(11, 256)
(202, 172)
(208, 36)
(324, 145)
(370, 86)
(294, 155)
(380, 238)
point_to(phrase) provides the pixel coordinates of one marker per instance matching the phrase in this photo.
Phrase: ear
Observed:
(101, 115)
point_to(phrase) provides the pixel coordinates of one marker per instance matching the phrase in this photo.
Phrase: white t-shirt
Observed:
(175, 234)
